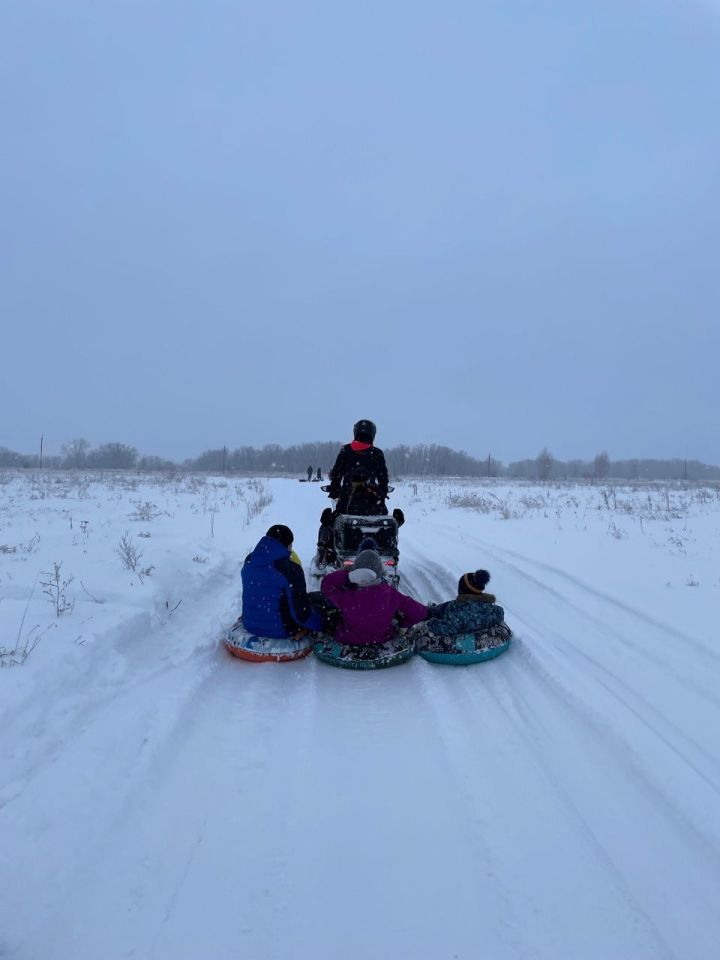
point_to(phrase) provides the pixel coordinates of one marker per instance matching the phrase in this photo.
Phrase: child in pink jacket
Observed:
(368, 605)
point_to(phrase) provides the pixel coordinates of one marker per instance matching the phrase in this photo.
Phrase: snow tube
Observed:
(247, 646)
(374, 656)
(465, 648)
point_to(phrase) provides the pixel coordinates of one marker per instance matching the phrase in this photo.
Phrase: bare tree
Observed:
(113, 456)
(601, 467)
(544, 463)
(75, 453)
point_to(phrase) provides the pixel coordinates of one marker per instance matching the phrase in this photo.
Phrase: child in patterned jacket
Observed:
(472, 611)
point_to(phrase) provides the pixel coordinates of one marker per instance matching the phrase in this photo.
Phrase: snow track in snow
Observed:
(560, 801)
(586, 695)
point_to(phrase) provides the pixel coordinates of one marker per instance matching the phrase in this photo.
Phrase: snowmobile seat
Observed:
(350, 531)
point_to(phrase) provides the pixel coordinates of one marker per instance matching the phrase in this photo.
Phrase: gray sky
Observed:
(493, 225)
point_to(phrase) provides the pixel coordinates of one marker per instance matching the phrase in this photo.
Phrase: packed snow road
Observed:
(560, 801)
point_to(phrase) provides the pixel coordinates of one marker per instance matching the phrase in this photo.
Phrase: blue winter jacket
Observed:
(274, 601)
(466, 615)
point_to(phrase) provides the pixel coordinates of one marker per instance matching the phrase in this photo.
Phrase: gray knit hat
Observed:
(367, 569)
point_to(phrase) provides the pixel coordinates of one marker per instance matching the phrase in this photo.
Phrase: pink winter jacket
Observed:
(367, 612)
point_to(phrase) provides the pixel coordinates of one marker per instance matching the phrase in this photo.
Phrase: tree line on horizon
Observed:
(403, 460)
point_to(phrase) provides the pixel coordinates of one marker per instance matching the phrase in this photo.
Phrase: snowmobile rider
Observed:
(359, 483)
(367, 603)
(360, 460)
(275, 602)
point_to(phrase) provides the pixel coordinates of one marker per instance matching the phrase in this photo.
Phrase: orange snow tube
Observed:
(248, 646)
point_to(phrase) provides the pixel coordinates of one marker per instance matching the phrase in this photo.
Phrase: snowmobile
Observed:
(349, 532)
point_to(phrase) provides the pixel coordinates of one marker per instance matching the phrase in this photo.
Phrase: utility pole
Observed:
(224, 459)
(42, 437)
(489, 466)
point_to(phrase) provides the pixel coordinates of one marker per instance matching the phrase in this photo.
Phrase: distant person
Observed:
(275, 601)
(309, 473)
(369, 607)
(319, 473)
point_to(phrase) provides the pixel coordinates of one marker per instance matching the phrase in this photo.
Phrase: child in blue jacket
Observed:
(275, 601)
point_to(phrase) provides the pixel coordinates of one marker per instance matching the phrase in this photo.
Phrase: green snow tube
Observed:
(374, 656)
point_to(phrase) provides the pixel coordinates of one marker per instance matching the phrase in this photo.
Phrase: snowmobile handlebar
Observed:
(326, 488)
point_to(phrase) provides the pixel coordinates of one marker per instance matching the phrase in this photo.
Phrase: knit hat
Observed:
(367, 569)
(473, 583)
(282, 534)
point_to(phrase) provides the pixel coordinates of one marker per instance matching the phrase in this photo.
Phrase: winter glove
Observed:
(436, 609)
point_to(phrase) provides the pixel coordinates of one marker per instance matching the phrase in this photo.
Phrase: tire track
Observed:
(711, 658)
(572, 659)
(72, 715)
(651, 664)
(532, 684)
(111, 735)
(522, 728)
(635, 703)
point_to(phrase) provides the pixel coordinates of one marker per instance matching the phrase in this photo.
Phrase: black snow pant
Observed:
(330, 614)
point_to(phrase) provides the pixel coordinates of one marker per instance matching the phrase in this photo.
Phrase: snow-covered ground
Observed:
(161, 800)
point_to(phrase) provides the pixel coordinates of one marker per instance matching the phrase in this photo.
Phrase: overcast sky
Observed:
(494, 225)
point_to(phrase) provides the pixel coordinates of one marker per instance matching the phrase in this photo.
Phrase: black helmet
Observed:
(364, 431)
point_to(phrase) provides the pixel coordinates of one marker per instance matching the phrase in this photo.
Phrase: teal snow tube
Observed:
(465, 648)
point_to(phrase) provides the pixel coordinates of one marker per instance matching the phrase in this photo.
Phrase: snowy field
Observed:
(162, 801)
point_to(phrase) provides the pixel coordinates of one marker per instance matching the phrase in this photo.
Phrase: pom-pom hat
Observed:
(471, 584)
